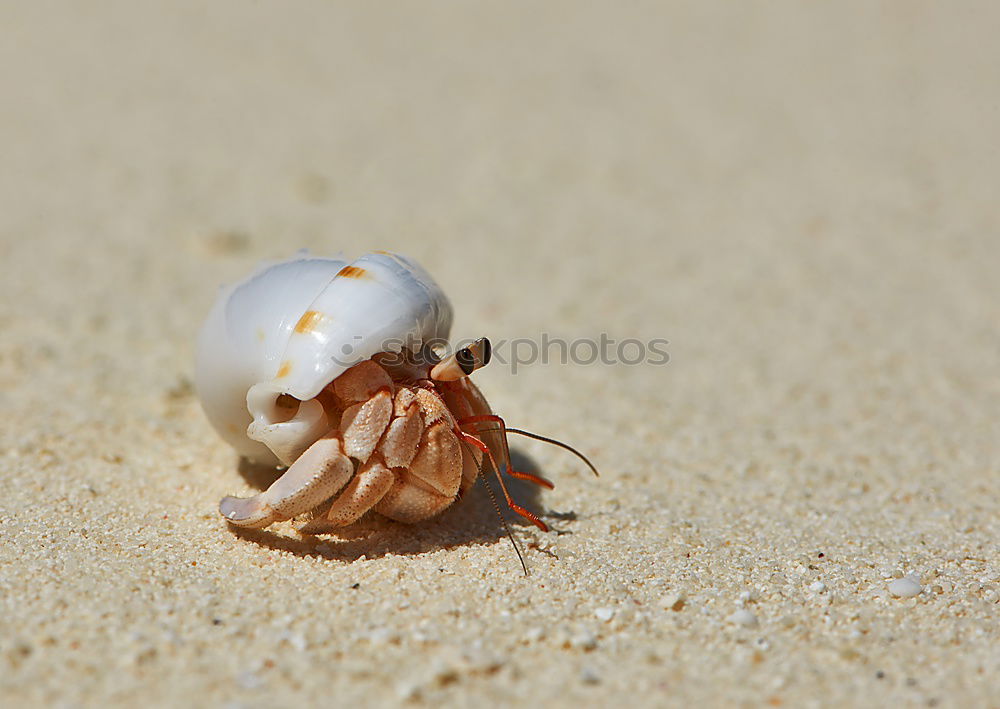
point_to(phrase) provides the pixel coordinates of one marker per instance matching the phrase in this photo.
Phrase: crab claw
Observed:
(316, 476)
(251, 512)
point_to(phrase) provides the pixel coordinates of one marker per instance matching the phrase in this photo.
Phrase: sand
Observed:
(801, 198)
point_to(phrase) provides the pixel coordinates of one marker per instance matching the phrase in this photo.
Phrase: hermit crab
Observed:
(336, 371)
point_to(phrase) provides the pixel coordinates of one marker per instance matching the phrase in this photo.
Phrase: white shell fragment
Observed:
(906, 587)
(293, 327)
(743, 617)
(605, 614)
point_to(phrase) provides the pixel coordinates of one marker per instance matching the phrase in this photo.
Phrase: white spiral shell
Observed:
(292, 328)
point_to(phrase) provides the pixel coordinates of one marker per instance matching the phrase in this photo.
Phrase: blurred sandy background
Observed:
(801, 198)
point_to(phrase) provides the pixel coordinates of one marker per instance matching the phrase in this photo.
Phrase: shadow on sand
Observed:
(473, 520)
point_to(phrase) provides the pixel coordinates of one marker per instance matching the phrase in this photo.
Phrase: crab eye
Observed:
(466, 360)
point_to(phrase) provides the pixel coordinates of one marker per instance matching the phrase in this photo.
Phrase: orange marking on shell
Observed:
(284, 369)
(383, 253)
(353, 272)
(309, 320)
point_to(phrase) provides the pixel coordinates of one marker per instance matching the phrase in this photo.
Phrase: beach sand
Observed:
(801, 198)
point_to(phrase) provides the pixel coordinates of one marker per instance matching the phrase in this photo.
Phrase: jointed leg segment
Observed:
(316, 476)
(520, 475)
(473, 441)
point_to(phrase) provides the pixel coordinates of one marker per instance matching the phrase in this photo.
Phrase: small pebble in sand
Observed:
(743, 617)
(584, 641)
(533, 635)
(605, 614)
(296, 640)
(906, 587)
(408, 691)
(589, 676)
(673, 601)
(817, 587)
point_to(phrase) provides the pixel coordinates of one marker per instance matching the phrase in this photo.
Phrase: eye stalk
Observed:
(464, 362)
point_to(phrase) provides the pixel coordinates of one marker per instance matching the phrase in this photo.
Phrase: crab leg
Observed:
(472, 440)
(505, 453)
(364, 491)
(314, 477)
(432, 480)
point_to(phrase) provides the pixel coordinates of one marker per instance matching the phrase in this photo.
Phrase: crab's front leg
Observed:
(315, 476)
(367, 391)
(369, 485)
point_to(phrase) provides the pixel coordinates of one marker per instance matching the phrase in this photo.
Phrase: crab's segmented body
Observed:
(394, 447)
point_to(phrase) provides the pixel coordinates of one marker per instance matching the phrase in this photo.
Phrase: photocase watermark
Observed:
(519, 352)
